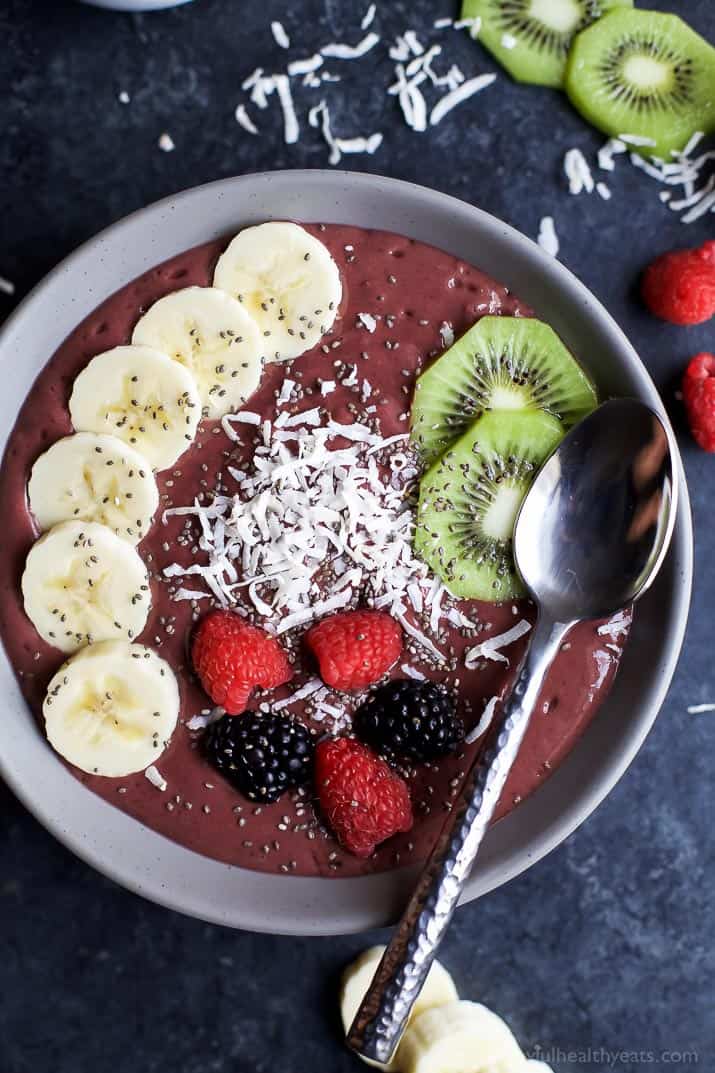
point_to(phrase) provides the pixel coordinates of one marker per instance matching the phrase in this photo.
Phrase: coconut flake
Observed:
(607, 152)
(205, 719)
(603, 191)
(617, 627)
(156, 778)
(369, 17)
(412, 672)
(350, 52)
(6, 286)
(367, 321)
(306, 66)
(244, 120)
(462, 93)
(291, 129)
(491, 648)
(578, 172)
(280, 36)
(484, 723)
(166, 143)
(637, 139)
(700, 709)
(508, 41)
(547, 237)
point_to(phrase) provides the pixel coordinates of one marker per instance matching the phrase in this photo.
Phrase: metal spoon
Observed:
(590, 538)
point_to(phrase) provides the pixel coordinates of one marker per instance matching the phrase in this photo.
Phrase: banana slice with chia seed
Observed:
(112, 708)
(84, 584)
(287, 281)
(93, 478)
(213, 335)
(142, 397)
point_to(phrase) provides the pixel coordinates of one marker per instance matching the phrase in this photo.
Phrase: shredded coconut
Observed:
(484, 723)
(6, 286)
(351, 52)
(166, 143)
(578, 172)
(700, 709)
(280, 36)
(369, 17)
(367, 321)
(446, 332)
(156, 778)
(491, 649)
(547, 237)
(244, 120)
(451, 100)
(305, 67)
(509, 41)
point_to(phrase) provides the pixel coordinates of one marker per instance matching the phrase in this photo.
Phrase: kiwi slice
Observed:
(470, 498)
(502, 363)
(532, 38)
(644, 73)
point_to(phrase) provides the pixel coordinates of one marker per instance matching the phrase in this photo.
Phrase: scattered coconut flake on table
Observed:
(166, 143)
(637, 140)
(699, 709)
(578, 172)
(547, 237)
(607, 152)
(6, 286)
(451, 100)
(123, 97)
(491, 648)
(244, 120)
(156, 778)
(305, 67)
(280, 36)
(484, 723)
(603, 191)
(369, 17)
(350, 52)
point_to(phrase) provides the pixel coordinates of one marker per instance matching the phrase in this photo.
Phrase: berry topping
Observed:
(232, 658)
(355, 648)
(362, 799)
(699, 397)
(409, 719)
(680, 286)
(261, 755)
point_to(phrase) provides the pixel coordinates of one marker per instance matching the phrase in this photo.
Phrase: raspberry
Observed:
(355, 648)
(231, 658)
(409, 719)
(699, 397)
(363, 800)
(261, 755)
(680, 286)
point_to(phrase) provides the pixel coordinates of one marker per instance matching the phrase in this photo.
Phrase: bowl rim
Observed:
(153, 866)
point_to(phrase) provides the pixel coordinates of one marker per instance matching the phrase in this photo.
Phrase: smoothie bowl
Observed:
(234, 539)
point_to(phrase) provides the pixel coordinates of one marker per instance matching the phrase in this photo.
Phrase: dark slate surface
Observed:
(606, 944)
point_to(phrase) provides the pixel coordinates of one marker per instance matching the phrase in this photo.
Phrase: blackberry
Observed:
(409, 719)
(261, 755)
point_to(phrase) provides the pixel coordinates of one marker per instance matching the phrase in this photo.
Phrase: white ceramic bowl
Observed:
(164, 871)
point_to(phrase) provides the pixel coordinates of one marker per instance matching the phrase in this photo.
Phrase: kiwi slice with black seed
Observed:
(647, 74)
(532, 38)
(470, 498)
(502, 363)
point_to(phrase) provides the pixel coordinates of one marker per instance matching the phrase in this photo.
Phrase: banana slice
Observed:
(82, 584)
(287, 281)
(141, 396)
(94, 478)
(210, 333)
(438, 989)
(112, 708)
(461, 1037)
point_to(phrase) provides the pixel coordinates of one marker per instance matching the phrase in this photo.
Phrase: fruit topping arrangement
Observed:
(338, 564)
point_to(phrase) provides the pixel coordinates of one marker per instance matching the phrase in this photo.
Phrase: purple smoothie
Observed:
(415, 289)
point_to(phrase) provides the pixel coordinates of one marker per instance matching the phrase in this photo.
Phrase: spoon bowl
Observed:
(595, 527)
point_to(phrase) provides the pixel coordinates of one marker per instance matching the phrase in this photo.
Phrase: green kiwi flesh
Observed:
(470, 498)
(532, 38)
(502, 363)
(644, 73)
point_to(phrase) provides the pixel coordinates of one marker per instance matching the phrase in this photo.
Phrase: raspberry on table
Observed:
(354, 649)
(699, 398)
(261, 755)
(363, 800)
(680, 286)
(409, 719)
(232, 658)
